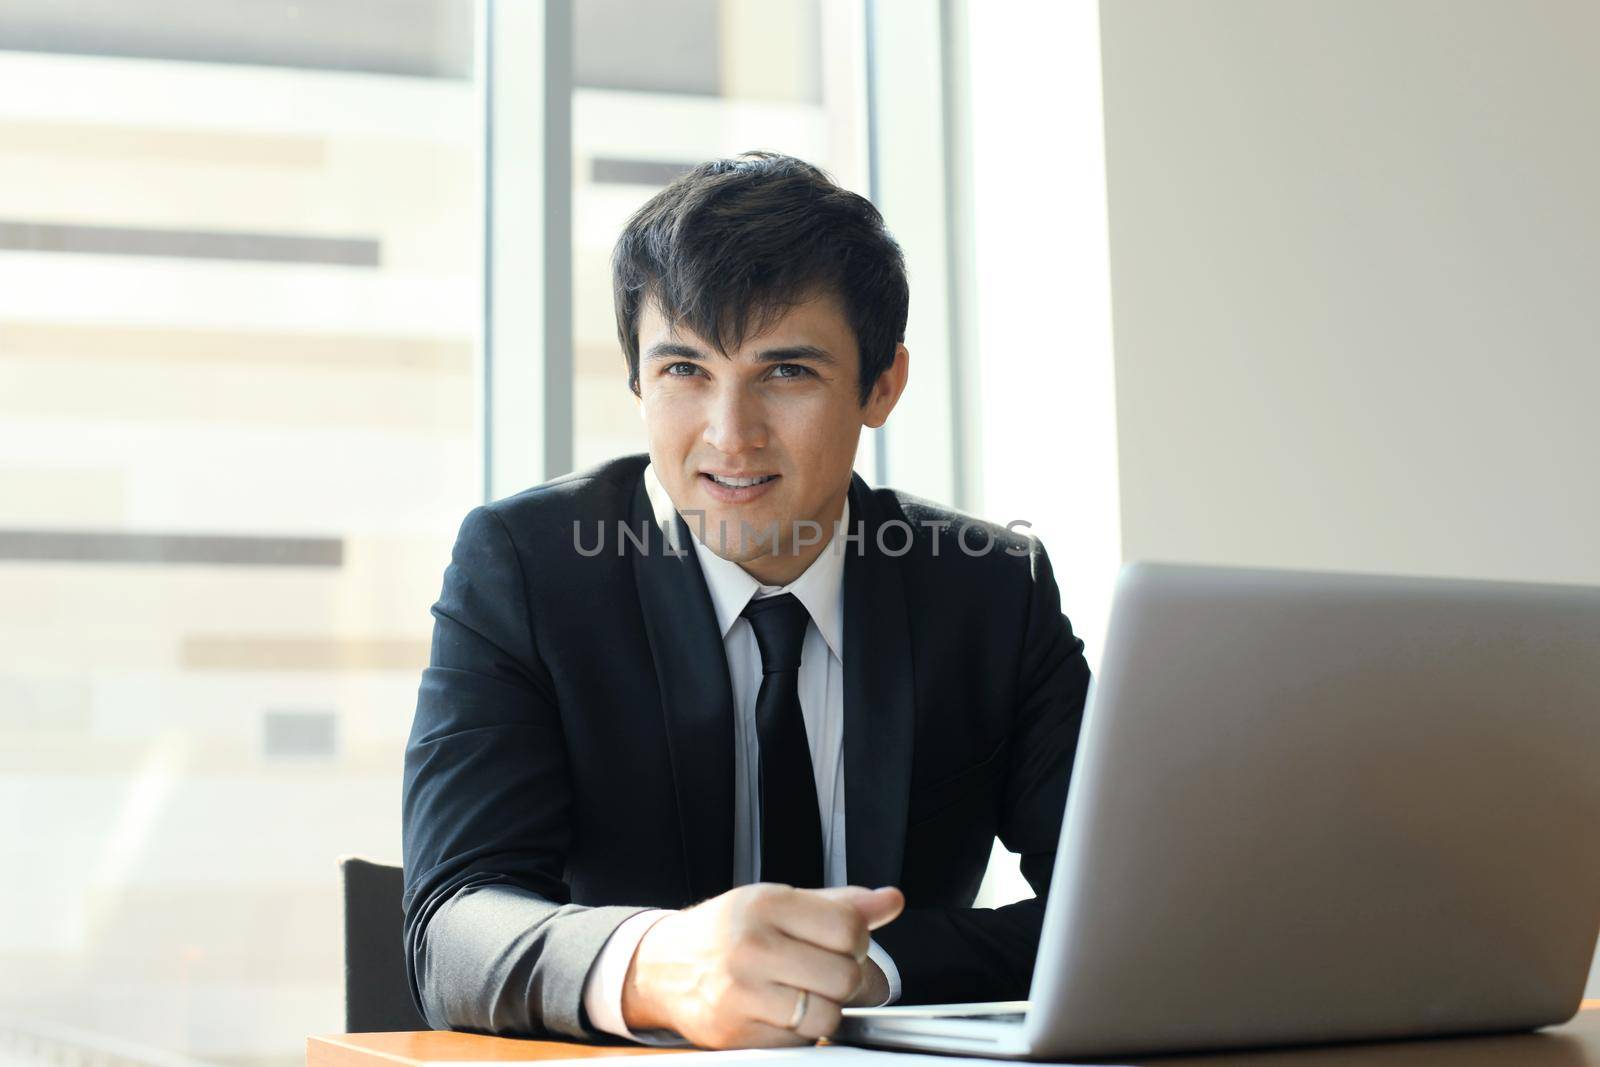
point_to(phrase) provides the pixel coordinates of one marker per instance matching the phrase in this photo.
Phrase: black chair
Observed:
(377, 996)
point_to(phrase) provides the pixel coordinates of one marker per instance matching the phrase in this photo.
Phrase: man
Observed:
(685, 710)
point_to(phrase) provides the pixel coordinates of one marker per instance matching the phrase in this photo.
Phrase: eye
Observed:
(669, 368)
(801, 370)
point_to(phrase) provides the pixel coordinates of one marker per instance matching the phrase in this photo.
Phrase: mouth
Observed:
(737, 490)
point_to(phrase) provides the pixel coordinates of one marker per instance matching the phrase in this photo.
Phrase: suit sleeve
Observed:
(960, 955)
(492, 940)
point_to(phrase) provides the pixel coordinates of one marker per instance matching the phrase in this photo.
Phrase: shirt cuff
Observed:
(602, 990)
(877, 954)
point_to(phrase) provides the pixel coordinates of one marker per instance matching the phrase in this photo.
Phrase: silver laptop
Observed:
(1311, 808)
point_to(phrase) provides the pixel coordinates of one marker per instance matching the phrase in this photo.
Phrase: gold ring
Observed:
(799, 1010)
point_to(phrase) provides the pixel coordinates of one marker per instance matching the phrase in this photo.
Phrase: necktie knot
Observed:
(780, 626)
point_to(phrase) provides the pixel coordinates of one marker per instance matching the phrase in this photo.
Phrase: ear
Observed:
(887, 389)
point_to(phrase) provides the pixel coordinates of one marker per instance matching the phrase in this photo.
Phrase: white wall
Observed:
(1356, 279)
(1355, 256)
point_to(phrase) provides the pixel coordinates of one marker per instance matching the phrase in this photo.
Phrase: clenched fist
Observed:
(728, 973)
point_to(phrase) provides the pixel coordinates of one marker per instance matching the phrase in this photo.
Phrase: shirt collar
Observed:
(820, 588)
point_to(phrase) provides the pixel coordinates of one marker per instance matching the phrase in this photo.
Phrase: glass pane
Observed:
(664, 86)
(240, 300)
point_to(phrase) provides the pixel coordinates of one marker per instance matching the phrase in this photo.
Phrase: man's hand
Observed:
(727, 973)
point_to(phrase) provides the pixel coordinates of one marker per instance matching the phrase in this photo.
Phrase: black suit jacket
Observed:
(571, 759)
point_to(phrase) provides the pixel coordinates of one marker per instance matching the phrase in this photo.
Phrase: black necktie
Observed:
(791, 829)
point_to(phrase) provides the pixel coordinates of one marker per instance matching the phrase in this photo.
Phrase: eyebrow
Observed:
(788, 354)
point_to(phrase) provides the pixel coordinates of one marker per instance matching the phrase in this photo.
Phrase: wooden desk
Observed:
(1576, 1044)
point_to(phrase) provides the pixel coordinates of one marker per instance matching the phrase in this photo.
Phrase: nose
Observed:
(736, 422)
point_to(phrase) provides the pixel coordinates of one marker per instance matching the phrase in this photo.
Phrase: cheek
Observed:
(669, 415)
(820, 447)
(814, 415)
(815, 428)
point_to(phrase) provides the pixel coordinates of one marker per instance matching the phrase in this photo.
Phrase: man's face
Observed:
(784, 407)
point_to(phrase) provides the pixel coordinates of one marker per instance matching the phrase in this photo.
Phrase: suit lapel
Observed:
(691, 667)
(878, 705)
(696, 699)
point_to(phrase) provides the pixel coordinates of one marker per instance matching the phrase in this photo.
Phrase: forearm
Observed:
(501, 959)
(960, 955)
(605, 989)
(957, 955)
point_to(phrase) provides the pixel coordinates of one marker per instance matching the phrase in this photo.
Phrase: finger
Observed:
(877, 907)
(759, 1035)
(821, 1019)
(775, 1008)
(803, 965)
(818, 918)
(883, 907)
(742, 1030)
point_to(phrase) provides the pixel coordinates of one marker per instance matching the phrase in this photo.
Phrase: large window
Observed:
(660, 87)
(270, 314)
(240, 302)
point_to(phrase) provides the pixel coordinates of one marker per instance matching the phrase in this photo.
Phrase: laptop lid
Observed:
(1314, 807)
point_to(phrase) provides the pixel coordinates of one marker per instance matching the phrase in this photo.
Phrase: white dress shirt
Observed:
(821, 684)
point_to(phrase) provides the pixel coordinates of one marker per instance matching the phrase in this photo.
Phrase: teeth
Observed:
(741, 483)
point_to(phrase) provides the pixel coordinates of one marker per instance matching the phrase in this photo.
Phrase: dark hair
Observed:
(731, 245)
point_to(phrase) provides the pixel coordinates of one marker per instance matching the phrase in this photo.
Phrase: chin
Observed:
(757, 524)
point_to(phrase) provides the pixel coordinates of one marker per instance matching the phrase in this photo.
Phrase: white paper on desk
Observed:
(812, 1056)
